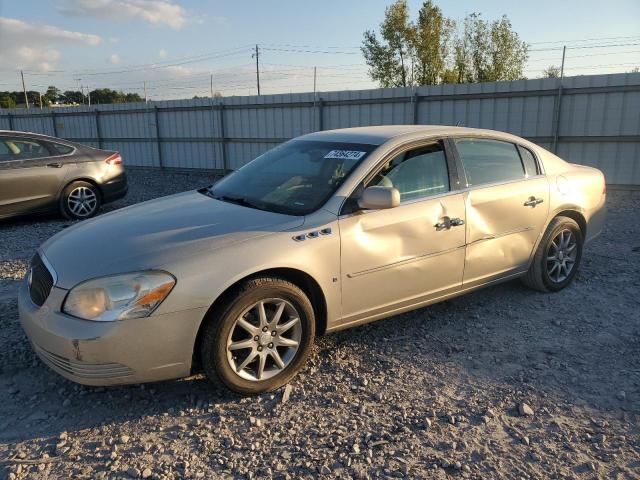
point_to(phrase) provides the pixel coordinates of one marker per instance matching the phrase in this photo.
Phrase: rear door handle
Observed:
(54, 165)
(447, 223)
(533, 201)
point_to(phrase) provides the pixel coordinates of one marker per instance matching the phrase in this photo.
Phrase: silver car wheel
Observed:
(264, 339)
(82, 201)
(561, 256)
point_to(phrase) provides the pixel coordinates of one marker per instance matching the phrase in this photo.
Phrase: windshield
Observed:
(295, 178)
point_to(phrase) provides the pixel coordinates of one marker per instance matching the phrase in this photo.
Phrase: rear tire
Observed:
(557, 258)
(250, 352)
(80, 200)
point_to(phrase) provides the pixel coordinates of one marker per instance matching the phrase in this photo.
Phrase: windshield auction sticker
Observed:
(345, 154)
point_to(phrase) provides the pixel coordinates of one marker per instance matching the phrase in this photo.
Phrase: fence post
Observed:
(320, 109)
(223, 139)
(414, 105)
(158, 146)
(98, 131)
(53, 121)
(10, 117)
(556, 119)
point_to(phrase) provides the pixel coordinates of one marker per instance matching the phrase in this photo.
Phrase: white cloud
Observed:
(156, 12)
(114, 59)
(32, 46)
(162, 53)
(176, 71)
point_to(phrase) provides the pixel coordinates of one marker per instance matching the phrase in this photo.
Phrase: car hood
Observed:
(153, 233)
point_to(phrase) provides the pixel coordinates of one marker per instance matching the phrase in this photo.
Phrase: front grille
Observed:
(83, 369)
(40, 281)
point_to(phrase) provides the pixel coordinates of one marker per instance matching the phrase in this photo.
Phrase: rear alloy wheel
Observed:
(260, 337)
(561, 256)
(557, 258)
(80, 200)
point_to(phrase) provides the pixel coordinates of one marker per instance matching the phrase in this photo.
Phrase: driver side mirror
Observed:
(379, 198)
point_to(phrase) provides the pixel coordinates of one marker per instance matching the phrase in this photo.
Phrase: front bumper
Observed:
(139, 350)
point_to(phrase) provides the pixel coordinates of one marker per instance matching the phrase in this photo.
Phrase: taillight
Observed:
(114, 159)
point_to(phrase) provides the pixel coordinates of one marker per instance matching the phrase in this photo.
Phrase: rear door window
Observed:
(489, 161)
(5, 153)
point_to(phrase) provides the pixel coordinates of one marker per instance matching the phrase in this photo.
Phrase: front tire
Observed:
(260, 337)
(557, 258)
(80, 200)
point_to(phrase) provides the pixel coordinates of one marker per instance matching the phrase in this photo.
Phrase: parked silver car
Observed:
(327, 231)
(39, 174)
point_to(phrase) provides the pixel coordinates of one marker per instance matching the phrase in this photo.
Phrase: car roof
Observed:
(381, 134)
(38, 136)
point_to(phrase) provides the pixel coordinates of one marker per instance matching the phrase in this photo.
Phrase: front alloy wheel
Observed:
(259, 336)
(264, 339)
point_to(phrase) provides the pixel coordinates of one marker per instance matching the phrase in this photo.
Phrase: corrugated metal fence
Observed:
(593, 120)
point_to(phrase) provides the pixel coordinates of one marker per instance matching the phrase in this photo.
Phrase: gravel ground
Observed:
(501, 383)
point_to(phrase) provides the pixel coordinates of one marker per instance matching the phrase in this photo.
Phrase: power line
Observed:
(309, 51)
(584, 46)
(149, 66)
(584, 40)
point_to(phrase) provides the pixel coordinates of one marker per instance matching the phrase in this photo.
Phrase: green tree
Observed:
(428, 52)
(52, 95)
(431, 38)
(6, 100)
(552, 71)
(507, 53)
(490, 52)
(133, 98)
(390, 57)
(71, 96)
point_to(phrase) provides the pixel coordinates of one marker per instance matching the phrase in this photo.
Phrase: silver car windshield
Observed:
(295, 178)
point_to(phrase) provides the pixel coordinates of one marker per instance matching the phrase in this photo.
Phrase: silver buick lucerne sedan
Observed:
(327, 231)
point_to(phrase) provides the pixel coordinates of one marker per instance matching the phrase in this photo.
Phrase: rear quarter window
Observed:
(529, 162)
(61, 149)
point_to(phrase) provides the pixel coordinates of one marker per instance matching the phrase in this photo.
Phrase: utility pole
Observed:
(144, 85)
(40, 100)
(314, 83)
(556, 122)
(80, 88)
(211, 84)
(24, 89)
(89, 95)
(257, 55)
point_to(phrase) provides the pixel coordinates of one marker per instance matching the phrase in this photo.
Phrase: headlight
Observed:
(119, 297)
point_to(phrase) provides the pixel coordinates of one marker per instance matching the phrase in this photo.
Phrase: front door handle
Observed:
(532, 202)
(447, 223)
(54, 165)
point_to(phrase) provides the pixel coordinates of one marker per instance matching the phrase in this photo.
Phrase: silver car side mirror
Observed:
(378, 198)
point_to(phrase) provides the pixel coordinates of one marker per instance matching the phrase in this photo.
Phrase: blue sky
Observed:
(109, 42)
